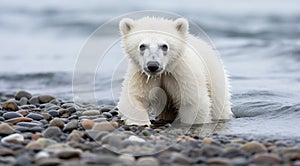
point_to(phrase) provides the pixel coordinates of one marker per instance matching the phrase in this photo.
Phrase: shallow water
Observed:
(259, 43)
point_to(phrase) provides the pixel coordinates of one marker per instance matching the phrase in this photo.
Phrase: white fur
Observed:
(193, 80)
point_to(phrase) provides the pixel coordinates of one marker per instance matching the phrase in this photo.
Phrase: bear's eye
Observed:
(142, 47)
(164, 47)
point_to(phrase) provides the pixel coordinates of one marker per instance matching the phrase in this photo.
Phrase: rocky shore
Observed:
(43, 130)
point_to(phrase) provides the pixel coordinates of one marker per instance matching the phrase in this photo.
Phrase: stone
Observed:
(53, 113)
(107, 115)
(22, 94)
(127, 158)
(217, 161)
(266, 159)
(254, 147)
(34, 145)
(23, 112)
(45, 142)
(41, 154)
(105, 126)
(47, 116)
(6, 129)
(207, 140)
(19, 119)
(68, 153)
(10, 115)
(57, 122)
(233, 152)
(23, 101)
(208, 150)
(179, 158)
(13, 138)
(29, 124)
(73, 124)
(52, 132)
(10, 105)
(64, 113)
(23, 160)
(134, 138)
(6, 152)
(34, 100)
(147, 161)
(35, 116)
(104, 160)
(49, 162)
(91, 113)
(87, 124)
(45, 98)
(74, 136)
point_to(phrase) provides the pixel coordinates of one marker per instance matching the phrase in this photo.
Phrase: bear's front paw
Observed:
(137, 122)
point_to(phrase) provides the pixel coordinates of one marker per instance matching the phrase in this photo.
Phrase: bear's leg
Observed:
(190, 114)
(133, 112)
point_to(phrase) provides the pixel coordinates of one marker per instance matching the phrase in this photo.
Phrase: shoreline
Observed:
(43, 130)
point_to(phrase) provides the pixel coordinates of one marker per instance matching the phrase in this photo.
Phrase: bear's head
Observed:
(154, 44)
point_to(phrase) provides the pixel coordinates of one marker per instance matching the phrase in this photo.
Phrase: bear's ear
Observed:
(182, 25)
(126, 24)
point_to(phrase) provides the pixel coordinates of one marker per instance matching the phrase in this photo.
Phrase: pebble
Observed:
(49, 162)
(105, 126)
(147, 161)
(104, 160)
(23, 160)
(45, 142)
(254, 147)
(218, 161)
(22, 94)
(87, 124)
(10, 115)
(107, 115)
(127, 158)
(10, 105)
(68, 153)
(266, 159)
(91, 113)
(23, 101)
(45, 98)
(34, 100)
(57, 122)
(23, 112)
(134, 138)
(211, 150)
(47, 116)
(73, 124)
(28, 124)
(52, 132)
(19, 119)
(6, 129)
(42, 154)
(207, 140)
(53, 113)
(13, 138)
(75, 136)
(35, 116)
(64, 113)
(179, 158)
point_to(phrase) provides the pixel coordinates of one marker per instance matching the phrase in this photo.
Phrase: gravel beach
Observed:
(43, 130)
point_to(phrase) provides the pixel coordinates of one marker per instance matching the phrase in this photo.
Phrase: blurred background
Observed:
(258, 40)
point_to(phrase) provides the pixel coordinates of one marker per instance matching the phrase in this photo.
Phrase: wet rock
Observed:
(91, 113)
(45, 142)
(57, 122)
(23, 160)
(13, 139)
(10, 105)
(147, 161)
(22, 94)
(104, 160)
(34, 100)
(210, 150)
(45, 98)
(23, 101)
(6, 129)
(64, 113)
(105, 126)
(19, 119)
(134, 138)
(53, 113)
(35, 116)
(107, 115)
(23, 112)
(179, 158)
(218, 161)
(10, 115)
(73, 124)
(266, 159)
(47, 116)
(52, 132)
(34, 145)
(74, 136)
(254, 147)
(29, 124)
(87, 124)
(69, 153)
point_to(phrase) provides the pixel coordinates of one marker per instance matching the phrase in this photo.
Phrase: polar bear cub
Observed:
(172, 74)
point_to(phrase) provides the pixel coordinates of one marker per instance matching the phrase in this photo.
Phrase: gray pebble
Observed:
(10, 115)
(35, 116)
(21, 94)
(52, 132)
(73, 124)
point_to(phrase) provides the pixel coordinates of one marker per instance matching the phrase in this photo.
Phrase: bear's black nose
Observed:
(153, 66)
